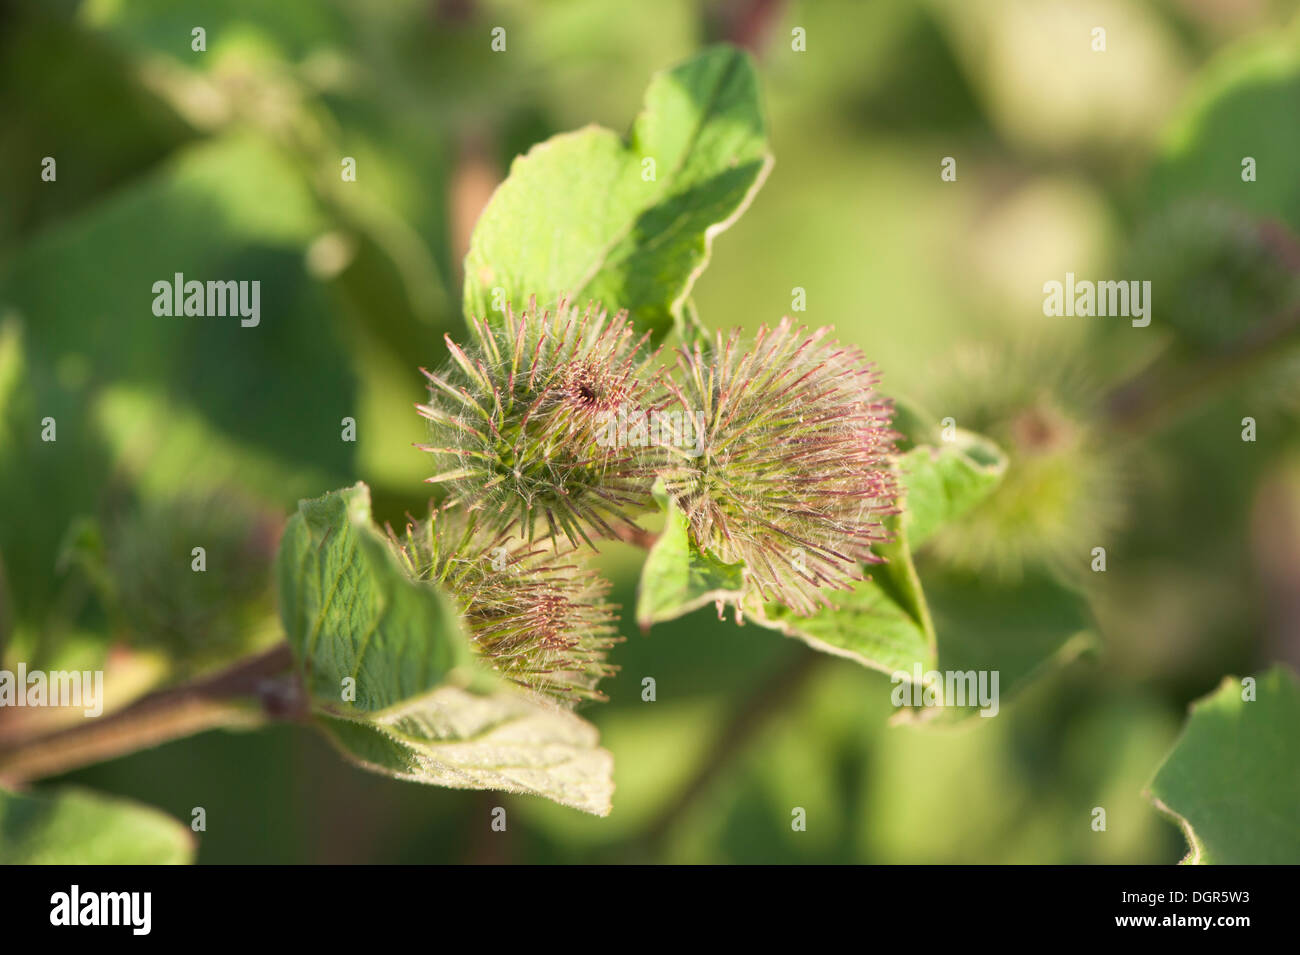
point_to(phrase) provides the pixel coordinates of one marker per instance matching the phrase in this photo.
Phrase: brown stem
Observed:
(218, 700)
(636, 536)
(747, 720)
(749, 23)
(1165, 389)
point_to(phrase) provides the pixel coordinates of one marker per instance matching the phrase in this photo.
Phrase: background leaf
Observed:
(1014, 627)
(74, 827)
(1233, 779)
(120, 381)
(1245, 105)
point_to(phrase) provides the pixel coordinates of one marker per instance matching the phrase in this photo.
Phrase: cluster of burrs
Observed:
(550, 430)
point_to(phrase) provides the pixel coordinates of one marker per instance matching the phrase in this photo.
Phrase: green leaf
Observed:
(677, 577)
(1245, 105)
(1232, 781)
(882, 623)
(502, 740)
(424, 707)
(1016, 628)
(77, 827)
(577, 218)
(351, 612)
(946, 480)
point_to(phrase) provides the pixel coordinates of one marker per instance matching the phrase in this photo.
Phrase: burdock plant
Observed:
(761, 472)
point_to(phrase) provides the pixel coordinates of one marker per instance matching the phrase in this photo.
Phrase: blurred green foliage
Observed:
(226, 163)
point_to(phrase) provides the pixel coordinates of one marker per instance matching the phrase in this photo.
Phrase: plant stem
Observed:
(748, 719)
(1167, 388)
(207, 703)
(636, 536)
